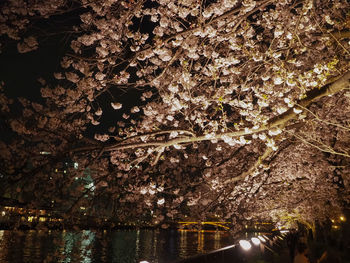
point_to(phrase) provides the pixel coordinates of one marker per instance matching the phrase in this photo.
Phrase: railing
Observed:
(222, 225)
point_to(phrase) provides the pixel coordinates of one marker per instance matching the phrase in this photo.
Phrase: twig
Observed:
(326, 148)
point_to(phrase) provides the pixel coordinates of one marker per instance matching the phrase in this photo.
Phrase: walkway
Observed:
(275, 251)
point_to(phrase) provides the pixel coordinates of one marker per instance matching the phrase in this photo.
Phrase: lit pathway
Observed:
(271, 251)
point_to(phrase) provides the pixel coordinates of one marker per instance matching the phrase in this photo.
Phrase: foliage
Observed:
(236, 109)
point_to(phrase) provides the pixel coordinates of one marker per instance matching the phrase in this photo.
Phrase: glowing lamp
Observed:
(342, 218)
(245, 244)
(262, 238)
(144, 261)
(256, 241)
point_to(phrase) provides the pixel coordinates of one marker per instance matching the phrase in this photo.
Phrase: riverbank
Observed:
(270, 249)
(277, 250)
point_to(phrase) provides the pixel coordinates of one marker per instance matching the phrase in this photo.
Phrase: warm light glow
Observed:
(245, 244)
(218, 224)
(332, 220)
(3, 213)
(256, 241)
(342, 218)
(262, 239)
(284, 231)
(144, 261)
(42, 219)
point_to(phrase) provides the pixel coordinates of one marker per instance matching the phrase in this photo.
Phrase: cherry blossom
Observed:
(231, 108)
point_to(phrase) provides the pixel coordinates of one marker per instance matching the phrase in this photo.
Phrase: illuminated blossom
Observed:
(205, 92)
(116, 105)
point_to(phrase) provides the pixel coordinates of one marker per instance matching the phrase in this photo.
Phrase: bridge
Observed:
(219, 225)
(216, 225)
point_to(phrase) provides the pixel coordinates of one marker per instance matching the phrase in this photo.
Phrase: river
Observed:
(118, 246)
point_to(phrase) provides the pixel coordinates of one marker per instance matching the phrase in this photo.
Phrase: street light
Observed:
(262, 238)
(256, 241)
(245, 244)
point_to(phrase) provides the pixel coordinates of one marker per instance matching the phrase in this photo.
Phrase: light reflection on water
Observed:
(119, 246)
(77, 246)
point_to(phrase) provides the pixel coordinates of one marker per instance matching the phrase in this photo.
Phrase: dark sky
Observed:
(21, 71)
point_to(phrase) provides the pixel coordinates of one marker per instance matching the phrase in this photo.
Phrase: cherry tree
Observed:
(227, 108)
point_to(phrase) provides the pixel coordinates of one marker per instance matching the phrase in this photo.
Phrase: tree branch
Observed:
(322, 148)
(280, 122)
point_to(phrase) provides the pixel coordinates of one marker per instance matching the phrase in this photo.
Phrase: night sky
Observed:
(20, 72)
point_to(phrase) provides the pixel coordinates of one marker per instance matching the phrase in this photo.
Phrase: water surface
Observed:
(119, 246)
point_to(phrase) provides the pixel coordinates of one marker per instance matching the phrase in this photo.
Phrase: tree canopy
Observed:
(199, 108)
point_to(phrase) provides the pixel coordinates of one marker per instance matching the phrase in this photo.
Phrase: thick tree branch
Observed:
(277, 122)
